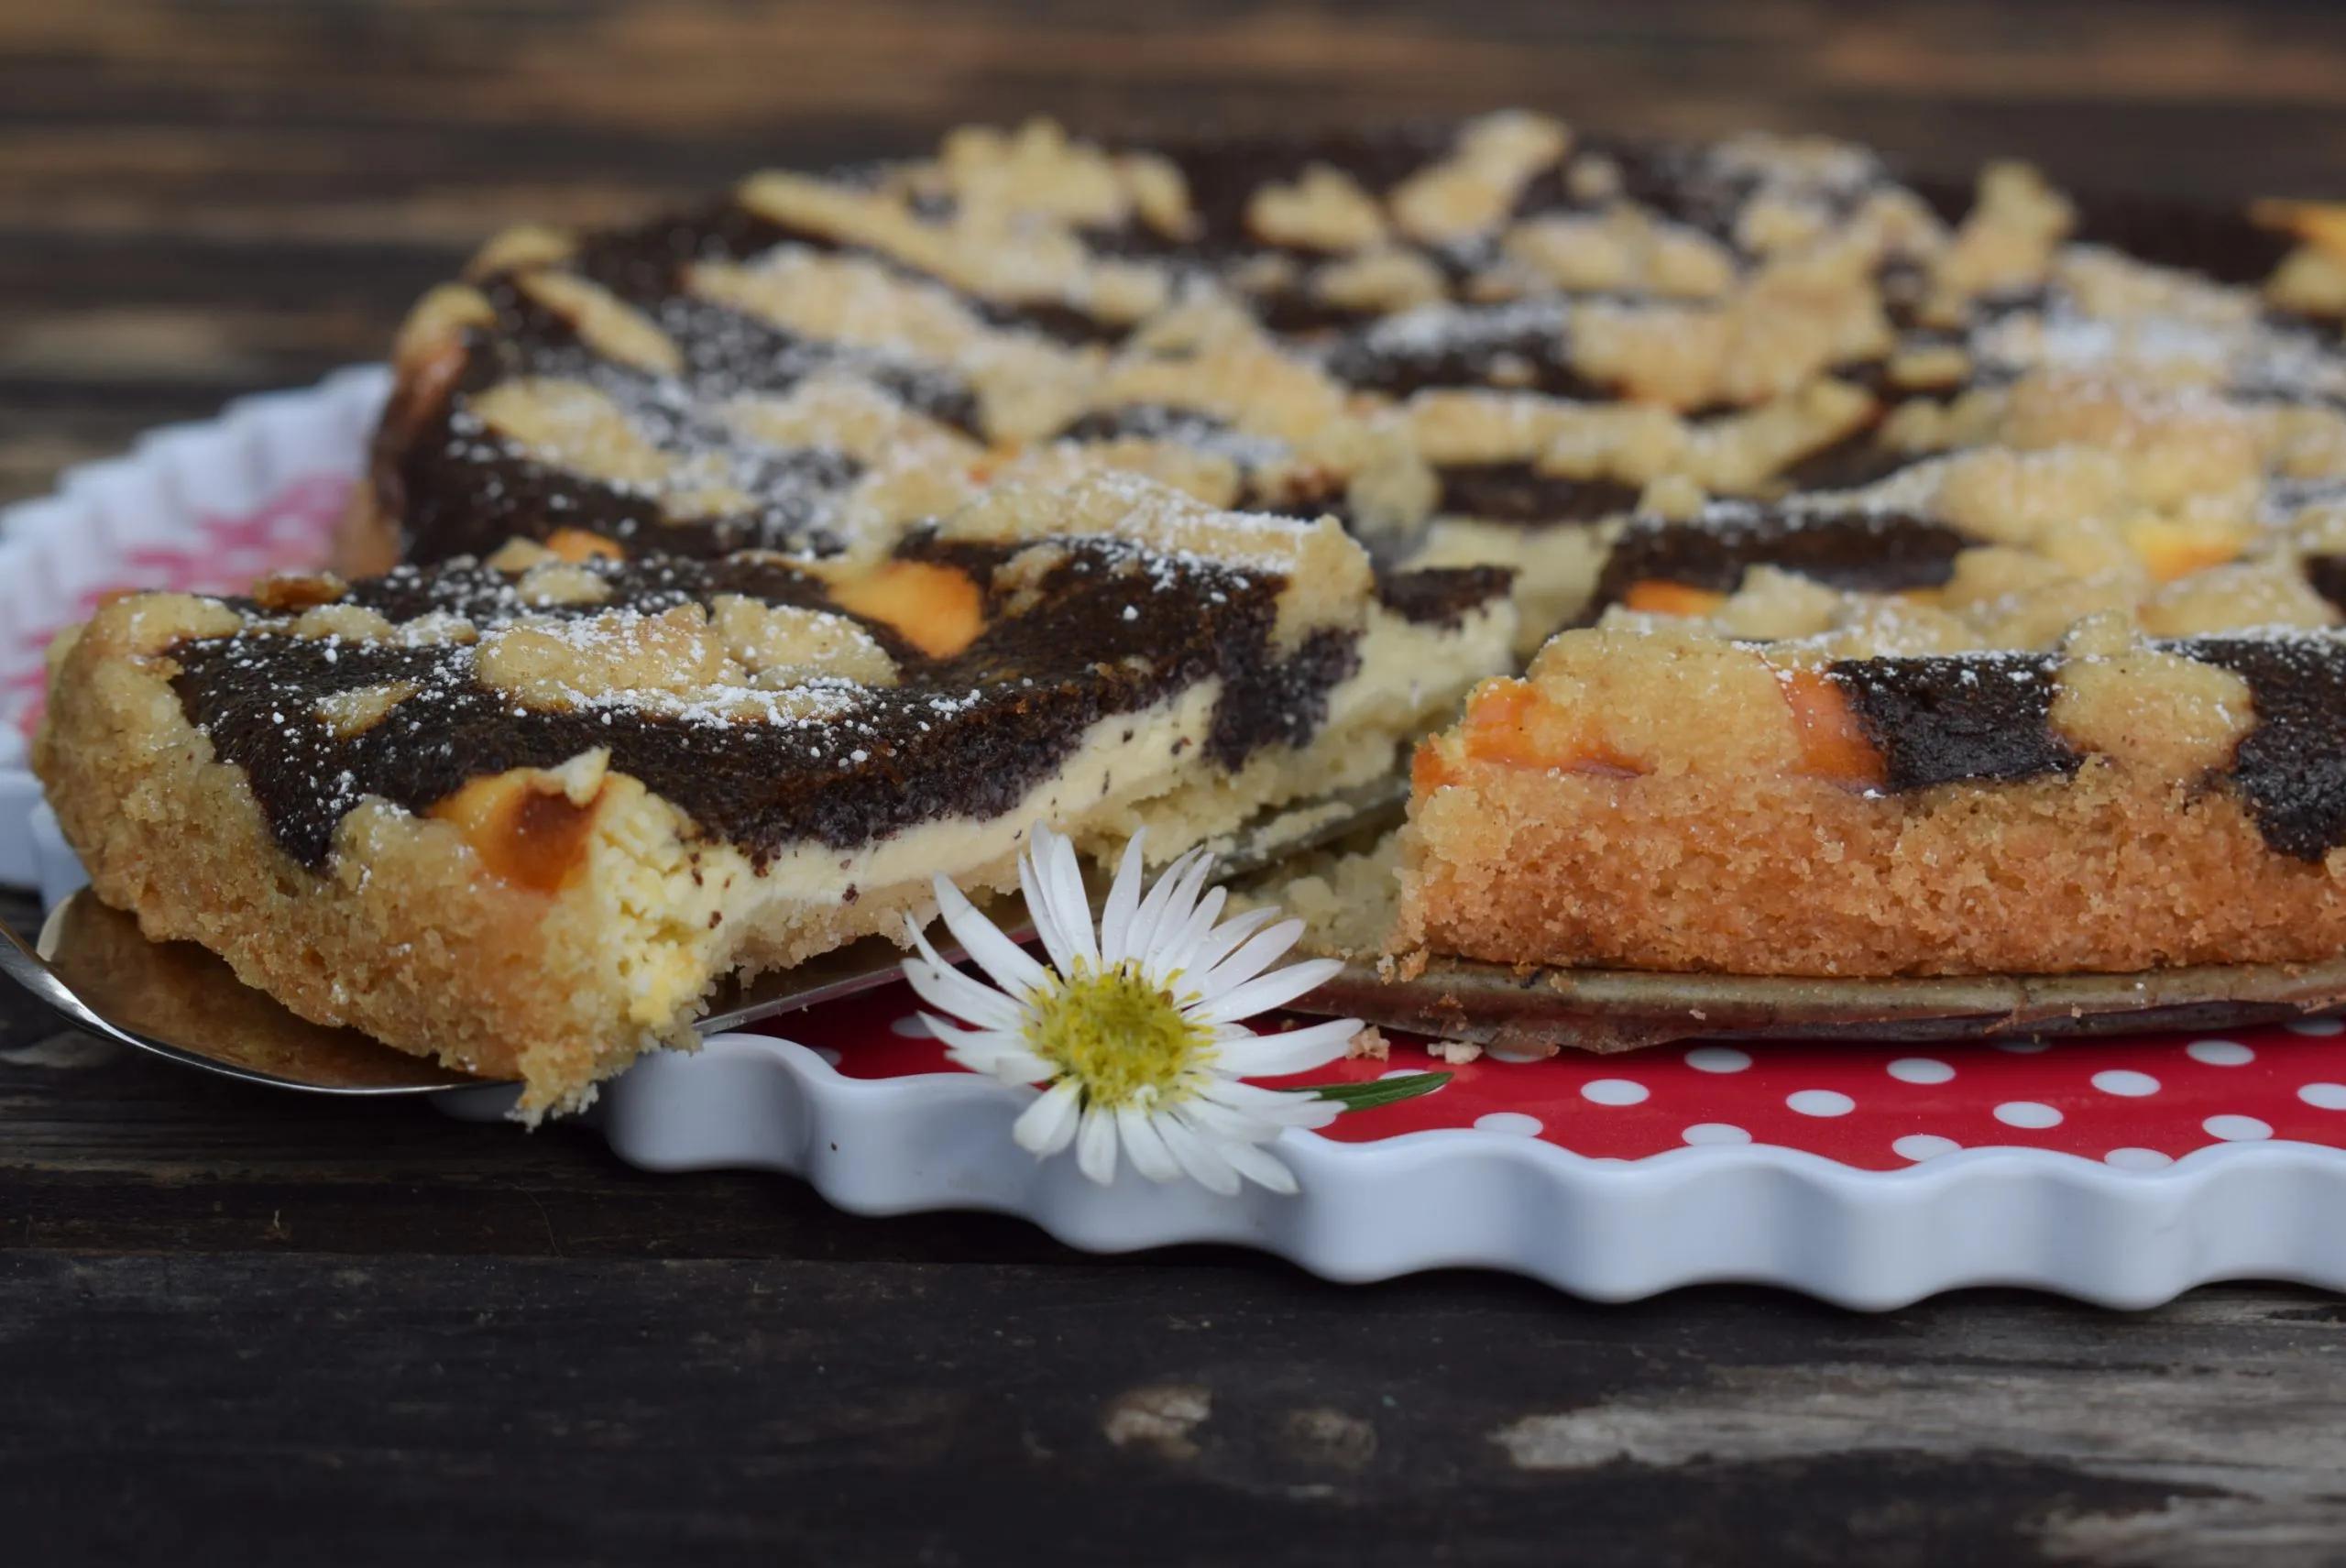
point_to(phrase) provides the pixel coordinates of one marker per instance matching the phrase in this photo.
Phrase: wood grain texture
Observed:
(220, 195)
(238, 1327)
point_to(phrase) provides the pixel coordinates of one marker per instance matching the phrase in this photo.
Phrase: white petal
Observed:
(1048, 1126)
(1018, 1065)
(1223, 1125)
(1176, 953)
(1218, 943)
(1311, 1111)
(1274, 1106)
(949, 991)
(1123, 900)
(1071, 903)
(977, 1061)
(1095, 1145)
(1253, 956)
(1260, 1166)
(1036, 897)
(1145, 1146)
(985, 1050)
(1266, 992)
(1275, 1055)
(991, 1042)
(1206, 1167)
(1038, 910)
(1340, 1031)
(1010, 966)
(1190, 889)
(1038, 844)
(1066, 918)
(1160, 912)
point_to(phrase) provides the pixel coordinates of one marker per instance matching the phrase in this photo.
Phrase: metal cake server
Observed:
(97, 970)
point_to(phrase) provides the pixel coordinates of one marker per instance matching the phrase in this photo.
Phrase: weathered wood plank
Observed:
(197, 200)
(237, 1326)
(550, 1410)
(358, 1319)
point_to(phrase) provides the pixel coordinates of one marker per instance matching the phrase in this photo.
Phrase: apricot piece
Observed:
(2321, 225)
(934, 607)
(526, 828)
(1658, 596)
(576, 545)
(1832, 745)
(295, 591)
(1429, 766)
(2172, 550)
(1510, 723)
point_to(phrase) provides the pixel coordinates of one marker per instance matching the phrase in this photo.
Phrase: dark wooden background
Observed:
(234, 1328)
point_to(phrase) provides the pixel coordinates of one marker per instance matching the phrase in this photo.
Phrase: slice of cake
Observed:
(523, 814)
(1663, 798)
(2067, 700)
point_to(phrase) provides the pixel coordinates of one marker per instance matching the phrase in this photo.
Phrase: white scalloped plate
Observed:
(212, 499)
(1610, 1230)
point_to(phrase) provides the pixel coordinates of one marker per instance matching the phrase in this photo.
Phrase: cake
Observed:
(2060, 690)
(719, 578)
(523, 814)
(1669, 798)
(1474, 346)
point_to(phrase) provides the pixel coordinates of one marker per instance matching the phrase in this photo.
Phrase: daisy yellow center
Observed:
(1122, 1037)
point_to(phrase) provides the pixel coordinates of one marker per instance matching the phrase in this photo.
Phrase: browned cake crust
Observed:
(521, 814)
(410, 942)
(407, 941)
(2111, 870)
(1656, 797)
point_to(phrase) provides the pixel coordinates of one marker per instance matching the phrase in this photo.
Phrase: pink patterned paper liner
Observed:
(292, 530)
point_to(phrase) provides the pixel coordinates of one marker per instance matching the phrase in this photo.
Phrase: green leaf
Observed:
(1377, 1092)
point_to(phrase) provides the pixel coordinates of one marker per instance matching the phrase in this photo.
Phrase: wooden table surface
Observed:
(241, 1328)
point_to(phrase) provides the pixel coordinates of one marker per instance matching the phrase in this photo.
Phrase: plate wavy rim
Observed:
(1603, 1229)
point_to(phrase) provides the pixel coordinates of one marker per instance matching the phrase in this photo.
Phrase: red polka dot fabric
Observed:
(2134, 1101)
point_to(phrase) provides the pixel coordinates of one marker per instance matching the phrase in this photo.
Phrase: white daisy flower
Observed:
(1133, 1028)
